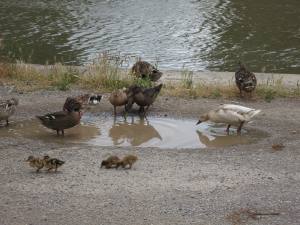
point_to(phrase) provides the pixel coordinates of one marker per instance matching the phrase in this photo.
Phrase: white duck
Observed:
(230, 114)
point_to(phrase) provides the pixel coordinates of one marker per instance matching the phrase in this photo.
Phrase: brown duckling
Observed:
(118, 98)
(277, 147)
(35, 162)
(144, 69)
(52, 163)
(127, 160)
(110, 162)
(142, 96)
(60, 121)
(8, 108)
(245, 80)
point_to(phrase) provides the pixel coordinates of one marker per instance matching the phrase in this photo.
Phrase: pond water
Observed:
(158, 132)
(196, 34)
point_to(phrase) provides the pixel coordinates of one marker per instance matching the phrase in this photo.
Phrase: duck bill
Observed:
(199, 121)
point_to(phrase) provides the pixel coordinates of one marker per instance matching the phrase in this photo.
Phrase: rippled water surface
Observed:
(197, 34)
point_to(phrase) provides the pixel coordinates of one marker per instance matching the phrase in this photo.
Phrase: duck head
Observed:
(155, 74)
(30, 158)
(203, 118)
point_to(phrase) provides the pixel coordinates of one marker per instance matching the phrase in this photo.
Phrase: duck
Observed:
(52, 163)
(245, 80)
(143, 97)
(110, 162)
(144, 69)
(61, 120)
(78, 102)
(7, 109)
(35, 162)
(127, 160)
(230, 114)
(118, 98)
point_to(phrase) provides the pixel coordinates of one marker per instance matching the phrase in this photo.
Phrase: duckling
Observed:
(142, 96)
(144, 69)
(52, 163)
(245, 80)
(110, 162)
(36, 162)
(127, 160)
(278, 147)
(7, 109)
(118, 98)
(61, 120)
(230, 114)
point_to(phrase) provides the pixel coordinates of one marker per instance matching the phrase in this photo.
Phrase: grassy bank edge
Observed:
(106, 74)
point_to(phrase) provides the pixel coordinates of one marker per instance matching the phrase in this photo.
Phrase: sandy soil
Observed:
(190, 186)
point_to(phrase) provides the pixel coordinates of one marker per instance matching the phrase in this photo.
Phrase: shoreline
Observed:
(215, 77)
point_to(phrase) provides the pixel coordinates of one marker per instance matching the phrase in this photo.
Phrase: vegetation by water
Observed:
(106, 74)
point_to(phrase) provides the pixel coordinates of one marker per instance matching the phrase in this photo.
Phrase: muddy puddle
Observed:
(159, 132)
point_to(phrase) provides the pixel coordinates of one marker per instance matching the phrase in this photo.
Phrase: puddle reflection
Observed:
(136, 131)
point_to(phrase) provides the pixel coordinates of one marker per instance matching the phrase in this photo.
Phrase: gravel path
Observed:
(190, 186)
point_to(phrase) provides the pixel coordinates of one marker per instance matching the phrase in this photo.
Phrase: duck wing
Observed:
(245, 112)
(53, 116)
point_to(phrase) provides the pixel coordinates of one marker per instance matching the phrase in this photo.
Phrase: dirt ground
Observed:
(165, 187)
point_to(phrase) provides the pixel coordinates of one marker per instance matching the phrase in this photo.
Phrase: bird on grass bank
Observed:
(61, 120)
(230, 114)
(143, 69)
(7, 109)
(245, 80)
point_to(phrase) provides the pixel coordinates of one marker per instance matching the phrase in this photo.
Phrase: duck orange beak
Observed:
(199, 121)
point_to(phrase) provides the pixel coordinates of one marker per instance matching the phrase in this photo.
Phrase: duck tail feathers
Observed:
(254, 113)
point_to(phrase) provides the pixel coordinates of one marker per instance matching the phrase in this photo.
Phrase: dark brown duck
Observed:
(143, 97)
(60, 121)
(245, 80)
(144, 69)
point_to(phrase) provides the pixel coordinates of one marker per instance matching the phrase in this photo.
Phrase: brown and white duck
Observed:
(7, 109)
(143, 97)
(61, 120)
(245, 80)
(144, 69)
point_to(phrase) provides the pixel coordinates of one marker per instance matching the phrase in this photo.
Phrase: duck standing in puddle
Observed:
(230, 114)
